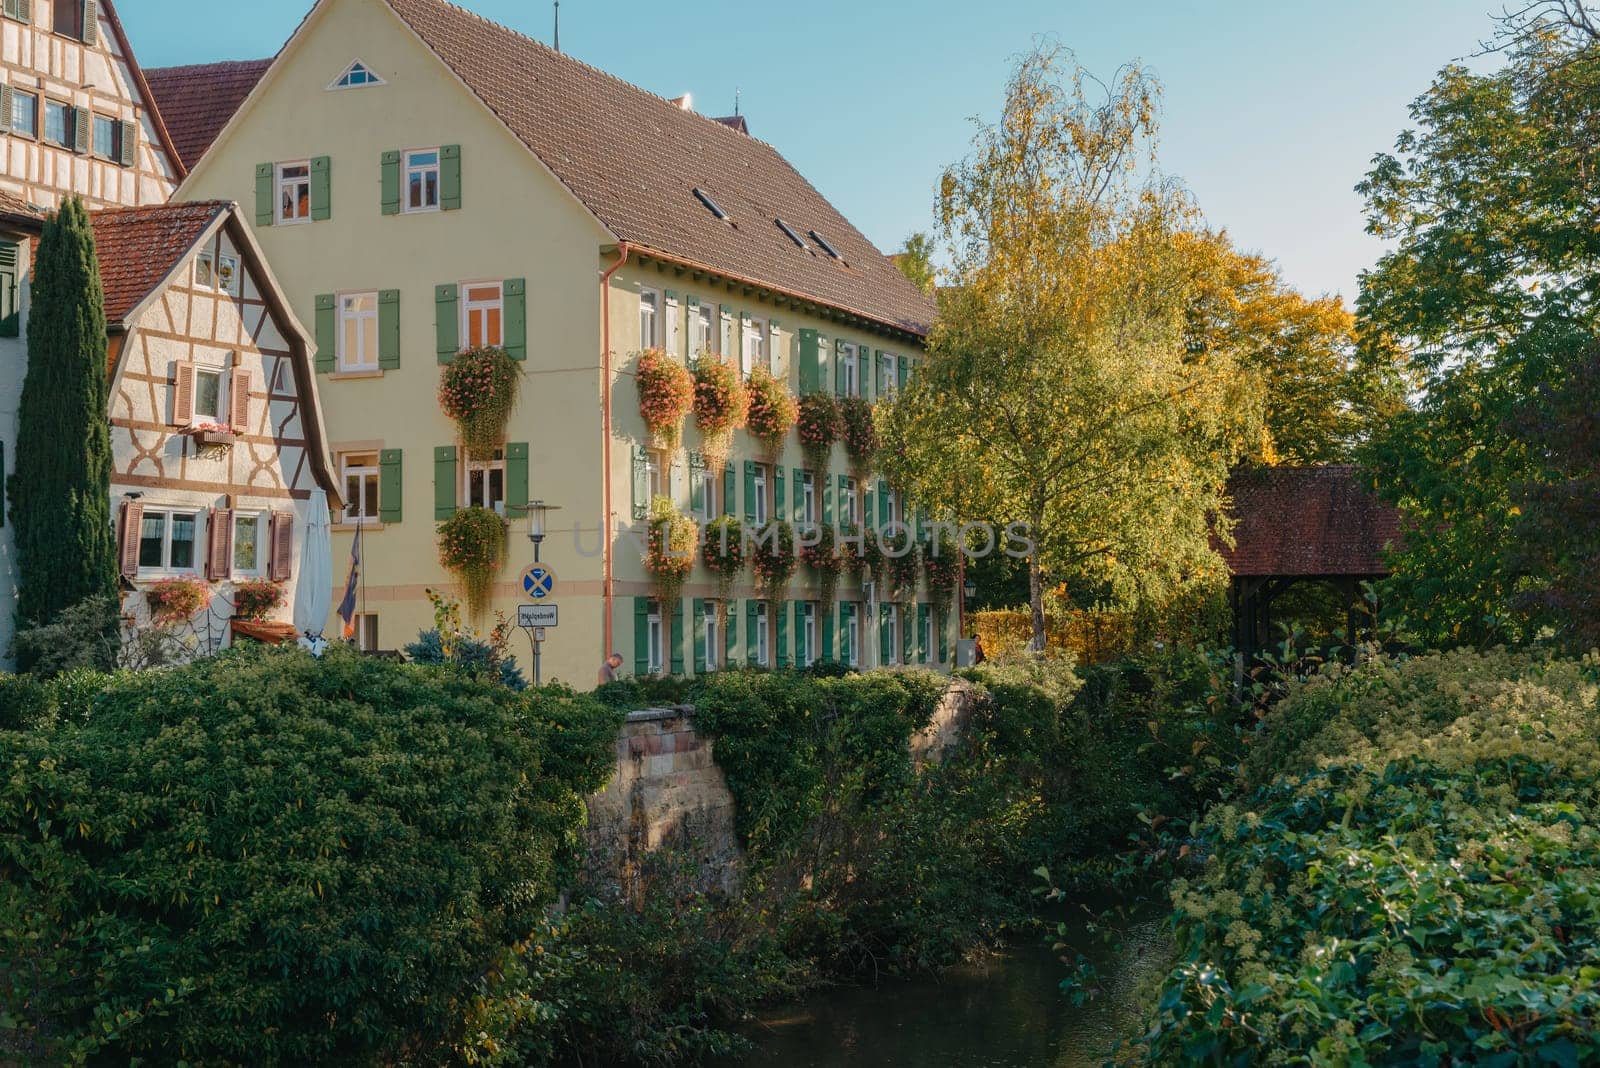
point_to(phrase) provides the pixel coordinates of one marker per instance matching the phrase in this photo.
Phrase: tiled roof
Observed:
(1303, 521)
(197, 101)
(11, 204)
(138, 247)
(634, 159)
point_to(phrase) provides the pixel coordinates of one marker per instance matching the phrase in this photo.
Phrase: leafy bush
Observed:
(264, 858)
(1415, 881)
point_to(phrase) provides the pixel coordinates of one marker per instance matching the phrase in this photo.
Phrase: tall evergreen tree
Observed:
(61, 488)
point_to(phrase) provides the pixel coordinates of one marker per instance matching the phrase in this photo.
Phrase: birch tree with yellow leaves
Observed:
(1058, 389)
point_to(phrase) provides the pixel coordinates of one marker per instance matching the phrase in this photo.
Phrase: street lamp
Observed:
(537, 512)
(970, 589)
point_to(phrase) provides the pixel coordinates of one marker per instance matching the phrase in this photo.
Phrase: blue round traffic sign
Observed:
(538, 582)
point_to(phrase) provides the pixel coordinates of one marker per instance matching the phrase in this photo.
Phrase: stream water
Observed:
(1006, 1011)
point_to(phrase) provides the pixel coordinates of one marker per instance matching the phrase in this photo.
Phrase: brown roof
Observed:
(1304, 521)
(11, 204)
(197, 101)
(634, 159)
(138, 247)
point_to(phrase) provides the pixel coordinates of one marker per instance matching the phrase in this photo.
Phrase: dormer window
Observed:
(711, 205)
(355, 76)
(823, 245)
(789, 232)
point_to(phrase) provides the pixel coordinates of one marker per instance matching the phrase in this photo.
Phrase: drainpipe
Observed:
(605, 428)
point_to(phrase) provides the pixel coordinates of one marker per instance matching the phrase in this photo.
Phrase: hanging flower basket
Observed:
(666, 396)
(860, 435)
(723, 551)
(818, 428)
(472, 547)
(176, 600)
(940, 570)
(477, 390)
(902, 561)
(720, 407)
(773, 559)
(819, 550)
(257, 598)
(212, 435)
(855, 559)
(669, 549)
(772, 413)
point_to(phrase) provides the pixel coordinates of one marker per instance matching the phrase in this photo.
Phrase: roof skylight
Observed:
(789, 231)
(711, 205)
(822, 243)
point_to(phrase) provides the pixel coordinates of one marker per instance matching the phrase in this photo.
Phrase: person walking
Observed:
(608, 669)
(978, 655)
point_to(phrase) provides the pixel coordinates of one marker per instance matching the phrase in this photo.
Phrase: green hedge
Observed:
(263, 858)
(1419, 883)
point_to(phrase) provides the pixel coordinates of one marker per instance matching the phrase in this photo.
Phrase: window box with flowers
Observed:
(773, 559)
(477, 390)
(176, 600)
(669, 549)
(255, 599)
(212, 435)
(666, 396)
(771, 413)
(860, 435)
(472, 547)
(818, 423)
(720, 407)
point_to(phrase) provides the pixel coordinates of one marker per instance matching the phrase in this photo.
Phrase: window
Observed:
(710, 501)
(852, 503)
(356, 75)
(925, 634)
(892, 506)
(789, 231)
(727, 335)
(805, 639)
(360, 470)
(24, 114)
(890, 367)
(808, 498)
(68, 18)
(167, 540)
(358, 331)
(850, 371)
(649, 305)
(422, 180)
(674, 332)
(755, 344)
(207, 396)
(823, 244)
(294, 192)
(58, 124)
(481, 314)
(711, 205)
(366, 638)
(760, 489)
(653, 632)
(248, 543)
(852, 637)
(107, 138)
(486, 483)
(713, 636)
(762, 660)
(219, 271)
(701, 334)
(656, 467)
(891, 633)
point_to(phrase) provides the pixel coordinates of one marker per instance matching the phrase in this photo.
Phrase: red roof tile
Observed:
(634, 159)
(1304, 521)
(138, 247)
(197, 101)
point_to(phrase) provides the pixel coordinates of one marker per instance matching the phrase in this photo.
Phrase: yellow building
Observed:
(424, 180)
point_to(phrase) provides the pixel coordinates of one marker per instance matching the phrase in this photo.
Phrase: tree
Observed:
(916, 262)
(1321, 395)
(1491, 294)
(1058, 391)
(61, 488)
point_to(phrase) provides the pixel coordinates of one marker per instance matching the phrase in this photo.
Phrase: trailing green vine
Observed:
(472, 547)
(669, 549)
(478, 390)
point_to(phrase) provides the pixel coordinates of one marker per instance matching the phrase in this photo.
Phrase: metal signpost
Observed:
(538, 582)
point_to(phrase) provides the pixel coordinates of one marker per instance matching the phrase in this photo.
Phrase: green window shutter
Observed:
(944, 642)
(8, 98)
(730, 640)
(515, 297)
(924, 632)
(10, 294)
(450, 178)
(838, 368)
(327, 331)
(677, 636)
(885, 653)
(80, 131)
(825, 485)
(390, 185)
(641, 636)
(699, 636)
(883, 504)
(903, 370)
(91, 22)
(444, 481)
(264, 176)
(782, 630)
(880, 375)
(127, 143)
(641, 483)
(868, 513)
(322, 188)
(389, 329)
(447, 320)
(843, 503)
(777, 491)
(799, 507)
(810, 363)
(827, 652)
(730, 490)
(391, 486)
(516, 478)
(750, 491)
(752, 652)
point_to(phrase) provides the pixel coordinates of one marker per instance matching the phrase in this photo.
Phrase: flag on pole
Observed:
(347, 607)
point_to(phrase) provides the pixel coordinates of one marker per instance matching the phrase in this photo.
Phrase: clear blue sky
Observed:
(1273, 107)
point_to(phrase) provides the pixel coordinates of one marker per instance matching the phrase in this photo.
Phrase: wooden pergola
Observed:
(1297, 525)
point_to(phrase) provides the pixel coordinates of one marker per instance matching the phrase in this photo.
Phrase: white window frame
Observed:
(33, 132)
(853, 636)
(760, 486)
(702, 329)
(808, 497)
(713, 639)
(207, 275)
(372, 77)
(66, 118)
(925, 635)
(487, 468)
(674, 330)
(895, 509)
(807, 636)
(196, 416)
(364, 360)
(278, 183)
(852, 371)
(763, 632)
(408, 169)
(352, 508)
(710, 502)
(653, 640)
(725, 333)
(852, 501)
(470, 304)
(649, 318)
(367, 632)
(756, 353)
(165, 568)
(657, 469)
(893, 623)
(891, 374)
(263, 550)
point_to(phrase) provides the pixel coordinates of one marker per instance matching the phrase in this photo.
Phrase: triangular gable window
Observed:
(356, 75)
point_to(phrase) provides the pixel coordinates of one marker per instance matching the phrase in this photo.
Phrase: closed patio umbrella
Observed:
(314, 589)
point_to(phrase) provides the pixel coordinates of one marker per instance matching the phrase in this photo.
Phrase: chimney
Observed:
(684, 102)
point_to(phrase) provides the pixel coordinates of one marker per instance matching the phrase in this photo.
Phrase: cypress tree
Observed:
(61, 488)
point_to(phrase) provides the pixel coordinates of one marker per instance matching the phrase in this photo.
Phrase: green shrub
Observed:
(1420, 883)
(265, 858)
